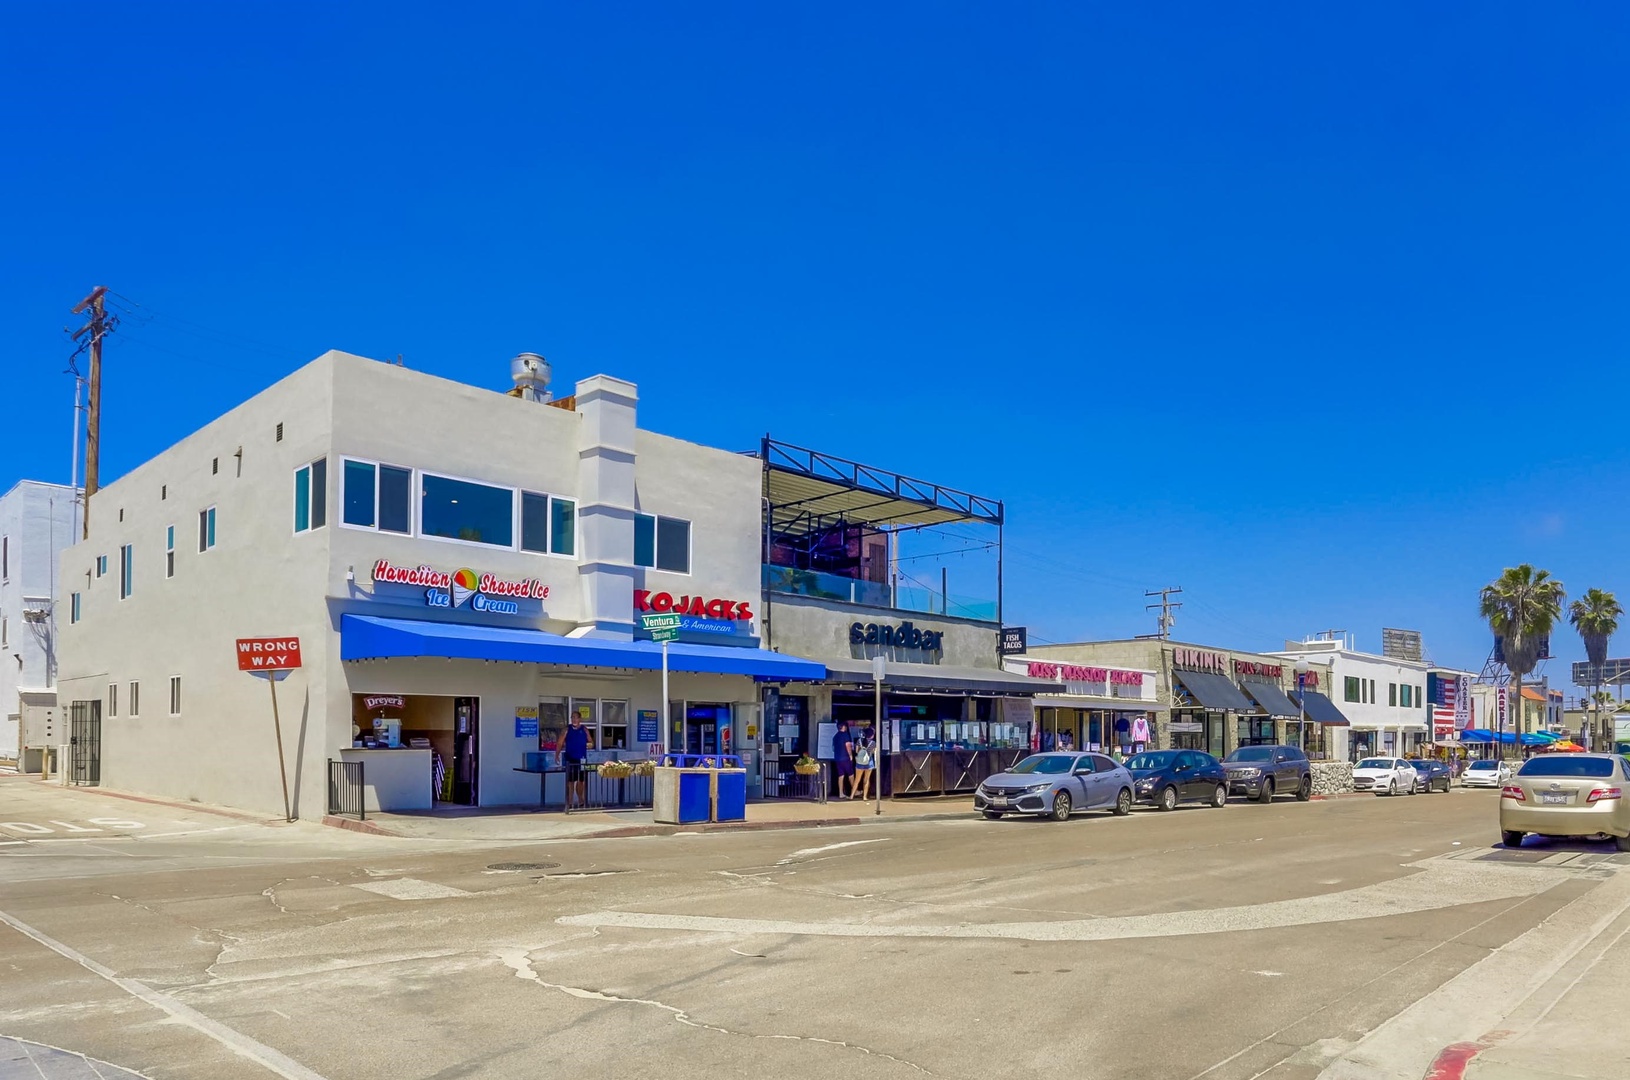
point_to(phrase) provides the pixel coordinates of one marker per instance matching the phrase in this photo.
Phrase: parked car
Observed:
(1432, 775)
(1168, 777)
(1261, 772)
(1487, 773)
(1384, 776)
(1567, 795)
(1056, 785)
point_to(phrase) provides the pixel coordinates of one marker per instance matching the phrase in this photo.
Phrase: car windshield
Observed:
(1568, 765)
(1375, 763)
(1251, 753)
(1482, 766)
(1158, 760)
(1048, 764)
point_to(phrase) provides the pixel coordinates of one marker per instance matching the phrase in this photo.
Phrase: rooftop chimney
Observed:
(530, 373)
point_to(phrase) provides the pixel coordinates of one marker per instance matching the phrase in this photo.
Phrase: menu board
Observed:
(824, 735)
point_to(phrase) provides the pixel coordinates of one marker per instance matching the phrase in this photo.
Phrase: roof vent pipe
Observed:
(531, 373)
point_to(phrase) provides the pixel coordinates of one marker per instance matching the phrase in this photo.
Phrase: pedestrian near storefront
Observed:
(843, 759)
(865, 765)
(574, 751)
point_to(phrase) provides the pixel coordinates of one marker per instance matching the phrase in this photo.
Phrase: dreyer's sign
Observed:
(487, 593)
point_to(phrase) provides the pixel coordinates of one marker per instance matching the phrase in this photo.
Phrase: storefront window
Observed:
(1315, 741)
(462, 510)
(548, 524)
(1256, 731)
(583, 709)
(614, 725)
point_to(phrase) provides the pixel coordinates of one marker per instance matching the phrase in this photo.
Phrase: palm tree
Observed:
(1596, 616)
(1521, 606)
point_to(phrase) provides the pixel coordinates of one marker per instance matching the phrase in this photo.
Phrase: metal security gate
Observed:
(346, 789)
(85, 743)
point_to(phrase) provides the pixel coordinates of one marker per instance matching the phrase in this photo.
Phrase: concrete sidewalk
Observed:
(517, 823)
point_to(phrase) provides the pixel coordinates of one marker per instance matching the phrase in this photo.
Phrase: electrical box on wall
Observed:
(40, 727)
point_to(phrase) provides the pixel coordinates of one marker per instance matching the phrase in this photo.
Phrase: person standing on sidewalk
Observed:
(843, 760)
(574, 751)
(865, 765)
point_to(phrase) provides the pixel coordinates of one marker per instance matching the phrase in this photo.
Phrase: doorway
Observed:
(85, 743)
(707, 728)
(467, 751)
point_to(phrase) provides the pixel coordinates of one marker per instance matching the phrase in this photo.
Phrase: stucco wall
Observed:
(37, 522)
(819, 629)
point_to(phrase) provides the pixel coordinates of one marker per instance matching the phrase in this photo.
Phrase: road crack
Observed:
(520, 962)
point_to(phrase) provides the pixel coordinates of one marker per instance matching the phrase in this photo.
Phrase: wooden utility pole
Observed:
(98, 326)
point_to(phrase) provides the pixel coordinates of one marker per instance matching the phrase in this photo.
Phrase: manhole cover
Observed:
(523, 866)
(1522, 855)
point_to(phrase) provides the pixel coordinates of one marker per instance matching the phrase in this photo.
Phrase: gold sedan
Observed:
(1568, 795)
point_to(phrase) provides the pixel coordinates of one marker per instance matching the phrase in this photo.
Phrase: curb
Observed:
(352, 825)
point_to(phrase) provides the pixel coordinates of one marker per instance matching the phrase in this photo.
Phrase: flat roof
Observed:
(806, 489)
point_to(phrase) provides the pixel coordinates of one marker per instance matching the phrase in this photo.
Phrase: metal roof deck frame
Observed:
(806, 485)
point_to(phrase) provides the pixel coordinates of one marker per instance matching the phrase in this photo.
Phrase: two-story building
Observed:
(463, 571)
(1385, 698)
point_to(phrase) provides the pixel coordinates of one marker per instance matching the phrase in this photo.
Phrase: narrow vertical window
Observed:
(206, 529)
(73, 608)
(302, 499)
(562, 526)
(5, 558)
(169, 552)
(113, 699)
(175, 695)
(127, 568)
(135, 698)
(311, 496)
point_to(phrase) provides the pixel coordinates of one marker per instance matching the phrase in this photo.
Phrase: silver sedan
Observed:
(1056, 785)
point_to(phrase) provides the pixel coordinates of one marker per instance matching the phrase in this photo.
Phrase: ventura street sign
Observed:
(660, 622)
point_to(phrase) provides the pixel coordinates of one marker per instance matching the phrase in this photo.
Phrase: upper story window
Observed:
(464, 510)
(127, 570)
(206, 529)
(5, 558)
(311, 496)
(548, 524)
(169, 552)
(101, 565)
(377, 497)
(73, 608)
(662, 543)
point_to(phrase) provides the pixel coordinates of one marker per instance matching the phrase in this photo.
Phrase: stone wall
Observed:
(1332, 777)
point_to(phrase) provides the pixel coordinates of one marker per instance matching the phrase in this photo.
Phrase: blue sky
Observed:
(1317, 313)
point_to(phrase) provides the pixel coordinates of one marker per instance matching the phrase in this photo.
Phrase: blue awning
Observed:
(1320, 709)
(370, 637)
(1476, 735)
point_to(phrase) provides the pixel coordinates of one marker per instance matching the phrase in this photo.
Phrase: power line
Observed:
(98, 325)
(1167, 620)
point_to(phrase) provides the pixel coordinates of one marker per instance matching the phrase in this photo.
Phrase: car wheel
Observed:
(1392, 786)
(1305, 792)
(1168, 798)
(1123, 802)
(1061, 806)
(1511, 839)
(1267, 792)
(1219, 796)
(993, 815)
(1622, 843)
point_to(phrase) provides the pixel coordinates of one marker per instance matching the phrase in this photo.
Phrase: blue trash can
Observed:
(695, 796)
(730, 797)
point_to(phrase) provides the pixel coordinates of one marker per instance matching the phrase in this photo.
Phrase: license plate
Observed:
(1558, 799)
(998, 800)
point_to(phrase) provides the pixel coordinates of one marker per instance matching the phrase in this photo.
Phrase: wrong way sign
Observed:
(268, 654)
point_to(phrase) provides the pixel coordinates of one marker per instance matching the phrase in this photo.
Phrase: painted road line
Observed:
(1439, 884)
(412, 889)
(235, 1041)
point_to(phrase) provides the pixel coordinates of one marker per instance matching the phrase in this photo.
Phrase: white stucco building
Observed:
(37, 521)
(1384, 699)
(463, 570)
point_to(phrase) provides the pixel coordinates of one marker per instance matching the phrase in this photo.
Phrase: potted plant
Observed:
(806, 765)
(616, 770)
(645, 768)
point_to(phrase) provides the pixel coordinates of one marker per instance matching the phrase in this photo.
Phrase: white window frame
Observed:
(311, 500)
(101, 566)
(413, 500)
(175, 695)
(5, 558)
(133, 697)
(73, 608)
(127, 570)
(169, 551)
(656, 543)
(418, 511)
(549, 530)
(113, 700)
(206, 529)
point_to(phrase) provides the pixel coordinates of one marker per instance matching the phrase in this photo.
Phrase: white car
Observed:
(1491, 774)
(1384, 776)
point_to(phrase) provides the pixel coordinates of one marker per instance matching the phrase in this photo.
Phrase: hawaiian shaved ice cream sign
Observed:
(463, 588)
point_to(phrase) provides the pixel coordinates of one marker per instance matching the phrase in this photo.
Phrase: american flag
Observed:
(1443, 709)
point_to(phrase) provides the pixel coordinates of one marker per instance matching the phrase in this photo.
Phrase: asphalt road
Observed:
(1243, 942)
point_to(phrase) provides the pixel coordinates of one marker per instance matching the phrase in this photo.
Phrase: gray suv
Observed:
(1261, 772)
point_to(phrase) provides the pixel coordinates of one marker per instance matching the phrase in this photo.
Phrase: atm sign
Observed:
(268, 654)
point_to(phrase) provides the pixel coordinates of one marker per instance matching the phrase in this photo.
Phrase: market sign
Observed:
(483, 592)
(268, 654)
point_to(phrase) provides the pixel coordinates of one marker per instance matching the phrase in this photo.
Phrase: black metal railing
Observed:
(609, 792)
(791, 784)
(345, 796)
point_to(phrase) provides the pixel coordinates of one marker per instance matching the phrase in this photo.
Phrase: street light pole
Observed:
(1301, 705)
(879, 670)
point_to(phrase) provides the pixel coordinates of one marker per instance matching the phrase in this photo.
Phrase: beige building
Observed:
(1187, 697)
(463, 570)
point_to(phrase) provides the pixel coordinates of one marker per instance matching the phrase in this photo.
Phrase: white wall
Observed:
(37, 523)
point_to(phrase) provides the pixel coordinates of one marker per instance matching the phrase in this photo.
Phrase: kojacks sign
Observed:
(904, 636)
(715, 616)
(487, 593)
